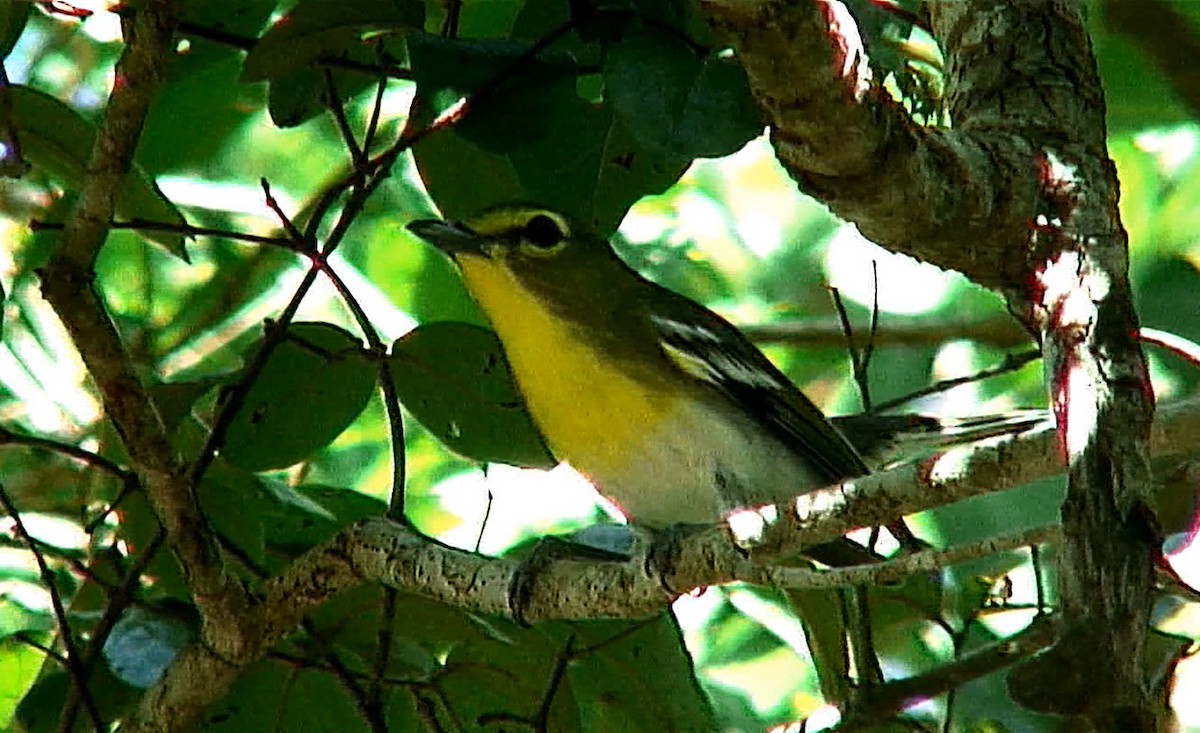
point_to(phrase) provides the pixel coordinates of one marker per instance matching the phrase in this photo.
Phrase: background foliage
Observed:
(628, 106)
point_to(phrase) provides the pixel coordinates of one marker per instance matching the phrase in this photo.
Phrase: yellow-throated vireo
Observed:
(670, 411)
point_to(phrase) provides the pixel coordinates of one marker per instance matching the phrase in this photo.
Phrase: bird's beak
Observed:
(452, 238)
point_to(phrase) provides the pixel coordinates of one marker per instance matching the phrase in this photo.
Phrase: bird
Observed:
(667, 409)
(670, 411)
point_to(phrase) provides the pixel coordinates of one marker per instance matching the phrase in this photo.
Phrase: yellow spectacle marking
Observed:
(501, 221)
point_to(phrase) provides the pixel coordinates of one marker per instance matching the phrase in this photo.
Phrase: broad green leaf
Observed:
(676, 101)
(820, 612)
(19, 665)
(594, 169)
(275, 696)
(138, 528)
(462, 178)
(58, 140)
(1137, 96)
(620, 675)
(16, 618)
(299, 96)
(636, 678)
(271, 522)
(521, 95)
(453, 377)
(234, 508)
(175, 400)
(215, 106)
(317, 29)
(312, 387)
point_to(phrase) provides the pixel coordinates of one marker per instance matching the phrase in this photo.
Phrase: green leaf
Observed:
(453, 377)
(520, 99)
(293, 528)
(233, 505)
(298, 97)
(266, 518)
(175, 400)
(1137, 95)
(593, 169)
(313, 386)
(215, 106)
(19, 665)
(820, 612)
(620, 675)
(616, 689)
(270, 696)
(321, 29)
(462, 178)
(138, 529)
(677, 102)
(58, 140)
(344, 506)
(317, 30)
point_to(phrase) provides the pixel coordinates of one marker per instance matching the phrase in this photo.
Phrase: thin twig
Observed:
(9, 437)
(79, 676)
(247, 43)
(376, 111)
(29, 641)
(857, 366)
(68, 284)
(141, 225)
(998, 332)
(1011, 363)
(897, 695)
(334, 103)
(119, 599)
(895, 569)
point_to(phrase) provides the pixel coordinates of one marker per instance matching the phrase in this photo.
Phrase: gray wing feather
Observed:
(714, 352)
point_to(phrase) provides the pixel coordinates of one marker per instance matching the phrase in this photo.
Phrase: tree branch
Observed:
(382, 551)
(1001, 332)
(1021, 197)
(68, 285)
(957, 198)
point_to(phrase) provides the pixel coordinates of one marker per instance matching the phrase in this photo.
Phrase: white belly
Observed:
(701, 473)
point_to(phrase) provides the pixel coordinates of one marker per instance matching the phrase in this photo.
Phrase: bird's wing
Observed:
(708, 348)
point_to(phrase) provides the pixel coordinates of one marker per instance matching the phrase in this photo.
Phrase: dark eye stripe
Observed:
(542, 231)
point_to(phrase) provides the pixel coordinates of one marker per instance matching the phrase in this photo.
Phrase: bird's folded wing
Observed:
(712, 351)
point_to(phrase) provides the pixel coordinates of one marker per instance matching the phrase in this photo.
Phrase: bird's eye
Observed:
(542, 231)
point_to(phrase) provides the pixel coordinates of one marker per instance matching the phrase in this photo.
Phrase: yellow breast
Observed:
(591, 413)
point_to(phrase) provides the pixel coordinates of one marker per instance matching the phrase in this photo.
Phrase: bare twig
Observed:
(10, 437)
(79, 675)
(67, 283)
(1011, 363)
(895, 696)
(1003, 333)
(890, 571)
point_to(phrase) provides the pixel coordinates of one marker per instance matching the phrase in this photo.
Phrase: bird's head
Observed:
(545, 250)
